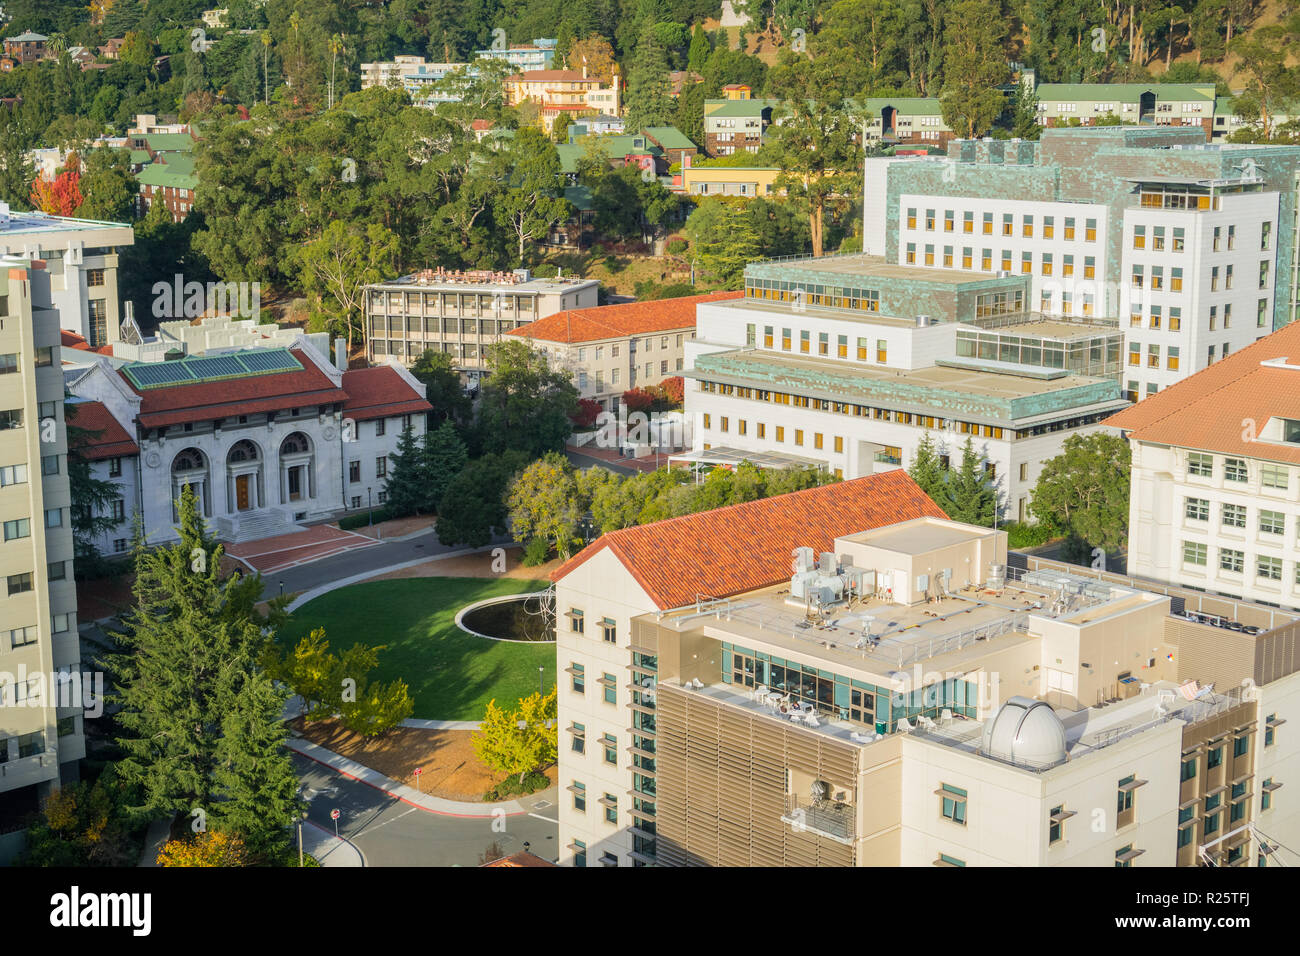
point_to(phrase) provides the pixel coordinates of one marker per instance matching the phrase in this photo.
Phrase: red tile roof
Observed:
(379, 392)
(1210, 410)
(71, 340)
(253, 394)
(747, 546)
(110, 440)
(614, 321)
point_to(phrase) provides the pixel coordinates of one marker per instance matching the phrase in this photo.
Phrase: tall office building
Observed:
(763, 686)
(1188, 247)
(39, 739)
(848, 363)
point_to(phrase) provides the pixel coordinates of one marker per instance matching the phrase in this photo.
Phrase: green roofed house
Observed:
(1145, 104)
(909, 120)
(675, 144)
(736, 124)
(620, 150)
(169, 179)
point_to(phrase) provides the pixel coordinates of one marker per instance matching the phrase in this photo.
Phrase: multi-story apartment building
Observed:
(612, 348)
(736, 124)
(462, 313)
(265, 438)
(848, 363)
(558, 92)
(26, 47)
(904, 698)
(524, 57)
(910, 120)
(413, 74)
(41, 733)
(80, 258)
(1189, 247)
(1214, 476)
(1158, 104)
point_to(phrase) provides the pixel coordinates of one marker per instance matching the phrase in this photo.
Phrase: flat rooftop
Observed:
(917, 537)
(1050, 328)
(950, 392)
(860, 265)
(39, 224)
(481, 281)
(875, 639)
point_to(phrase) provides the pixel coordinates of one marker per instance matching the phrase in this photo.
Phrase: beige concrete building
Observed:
(898, 696)
(462, 313)
(612, 348)
(38, 603)
(80, 258)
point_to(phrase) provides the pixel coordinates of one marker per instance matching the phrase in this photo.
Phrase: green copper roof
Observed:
(158, 174)
(982, 396)
(170, 142)
(670, 137)
(1124, 92)
(914, 105)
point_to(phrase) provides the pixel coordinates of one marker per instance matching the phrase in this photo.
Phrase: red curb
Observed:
(440, 813)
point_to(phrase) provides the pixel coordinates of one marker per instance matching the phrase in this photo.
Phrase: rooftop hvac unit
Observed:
(523, 274)
(826, 565)
(997, 576)
(803, 559)
(922, 321)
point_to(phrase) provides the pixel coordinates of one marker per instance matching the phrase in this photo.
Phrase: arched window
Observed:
(242, 451)
(295, 444)
(191, 459)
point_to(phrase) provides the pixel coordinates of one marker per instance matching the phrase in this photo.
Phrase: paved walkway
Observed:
(328, 849)
(316, 592)
(422, 801)
(284, 551)
(613, 459)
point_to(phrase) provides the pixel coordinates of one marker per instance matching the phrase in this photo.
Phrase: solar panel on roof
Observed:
(269, 360)
(158, 373)
(221, 366)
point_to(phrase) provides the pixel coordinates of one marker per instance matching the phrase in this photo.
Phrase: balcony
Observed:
(825, 817)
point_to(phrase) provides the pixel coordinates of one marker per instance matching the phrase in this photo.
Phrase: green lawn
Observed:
(451, 675)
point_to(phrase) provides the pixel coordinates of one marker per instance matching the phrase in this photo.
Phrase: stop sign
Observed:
(334, 814)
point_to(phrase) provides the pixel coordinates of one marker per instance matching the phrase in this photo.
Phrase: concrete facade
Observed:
(38, 624)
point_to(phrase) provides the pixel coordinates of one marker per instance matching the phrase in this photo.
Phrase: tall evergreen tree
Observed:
(700, 49)
(407, 477)
(254, 776)
(444, 459)
(648, 99)
(190, 645)
(928, 472)
(970, 497)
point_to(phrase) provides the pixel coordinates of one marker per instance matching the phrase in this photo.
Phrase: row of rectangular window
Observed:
(1027, 222)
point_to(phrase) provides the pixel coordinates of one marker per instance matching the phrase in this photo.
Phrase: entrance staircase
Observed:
(252, 525)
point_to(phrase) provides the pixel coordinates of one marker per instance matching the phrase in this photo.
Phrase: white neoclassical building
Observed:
(266, 439)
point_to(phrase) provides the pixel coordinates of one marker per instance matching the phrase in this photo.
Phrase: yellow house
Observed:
(746, 181)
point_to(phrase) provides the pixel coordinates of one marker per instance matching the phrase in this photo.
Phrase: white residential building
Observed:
(1215, 477)
(40, 740)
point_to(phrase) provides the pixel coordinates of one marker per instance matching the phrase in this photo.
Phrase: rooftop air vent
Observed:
(922, 321)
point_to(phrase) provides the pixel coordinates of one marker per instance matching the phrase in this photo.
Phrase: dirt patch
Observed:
(396, 528)
(474, 566)
(451, 768)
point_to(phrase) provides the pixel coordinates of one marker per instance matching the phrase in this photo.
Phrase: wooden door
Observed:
(241, 493)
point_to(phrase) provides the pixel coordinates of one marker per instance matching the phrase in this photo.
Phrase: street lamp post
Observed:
(370, 509)
(300, 822)
(281, 589)
(541, 682)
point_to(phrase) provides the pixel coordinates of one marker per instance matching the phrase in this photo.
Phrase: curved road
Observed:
(389, 832)
(380, 557)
